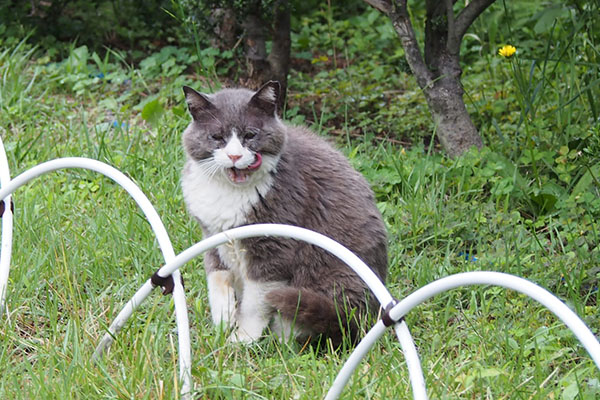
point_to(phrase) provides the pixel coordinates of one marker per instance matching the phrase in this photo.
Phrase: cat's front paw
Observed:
(241, 336)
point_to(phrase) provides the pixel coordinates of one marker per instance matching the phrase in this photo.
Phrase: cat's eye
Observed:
(216, 137)
(249, 134)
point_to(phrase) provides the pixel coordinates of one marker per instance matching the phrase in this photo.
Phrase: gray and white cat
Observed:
(245, 166)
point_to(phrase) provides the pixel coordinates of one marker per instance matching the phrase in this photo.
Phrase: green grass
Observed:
(82, 247)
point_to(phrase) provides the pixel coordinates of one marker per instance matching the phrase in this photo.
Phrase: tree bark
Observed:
(223, 19)
(455, 129)
(263, 67)
(279, 58)
(257, 65)
(438, 72)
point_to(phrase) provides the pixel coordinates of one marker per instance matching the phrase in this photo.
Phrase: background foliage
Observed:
(105, 82)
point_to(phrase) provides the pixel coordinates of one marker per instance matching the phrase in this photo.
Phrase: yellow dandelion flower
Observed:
(507, 51)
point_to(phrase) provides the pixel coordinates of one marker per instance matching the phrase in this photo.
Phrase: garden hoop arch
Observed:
(395, 310)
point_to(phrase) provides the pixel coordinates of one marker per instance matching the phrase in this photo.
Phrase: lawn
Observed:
(527, 204)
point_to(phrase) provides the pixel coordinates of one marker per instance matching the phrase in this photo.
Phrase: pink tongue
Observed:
(241, 175)
(256, 163)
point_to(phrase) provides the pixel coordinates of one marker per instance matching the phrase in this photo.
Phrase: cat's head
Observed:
(234, 133)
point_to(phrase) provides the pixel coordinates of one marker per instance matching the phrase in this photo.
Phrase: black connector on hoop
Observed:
(3, 207)
(387, 320)
(167, 284)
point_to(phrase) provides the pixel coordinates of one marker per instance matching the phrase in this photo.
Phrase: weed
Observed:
(526, 204)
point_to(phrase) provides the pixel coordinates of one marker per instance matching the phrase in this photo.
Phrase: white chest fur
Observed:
(217, 203)
(220, 205)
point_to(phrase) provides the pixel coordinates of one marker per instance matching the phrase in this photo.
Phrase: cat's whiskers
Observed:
(211, 170)
(209, 167)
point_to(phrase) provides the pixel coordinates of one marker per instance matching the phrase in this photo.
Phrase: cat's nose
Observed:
(234, 157)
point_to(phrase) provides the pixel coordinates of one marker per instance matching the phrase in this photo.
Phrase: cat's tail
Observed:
(315, 314)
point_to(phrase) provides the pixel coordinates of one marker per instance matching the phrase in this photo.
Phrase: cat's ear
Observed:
(197, 103)
(265, 99)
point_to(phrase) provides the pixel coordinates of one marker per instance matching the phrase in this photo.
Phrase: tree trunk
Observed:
(274, 66)
(259, 69)
(455, 129)
(223, 19)
(438, 72)
(279, 59)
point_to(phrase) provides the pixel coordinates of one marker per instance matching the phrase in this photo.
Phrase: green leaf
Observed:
(148, 63)
(547, 18)
(109, 102)
(152, 112)
(570, 392)
(586, 180)
(548, 196)
(79, 58)
(490, 372)
(372, 16)
(180, 111)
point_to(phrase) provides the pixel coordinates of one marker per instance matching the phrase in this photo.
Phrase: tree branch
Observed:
(468, 14)
(452, 42)
(382, 5)
(403, 26)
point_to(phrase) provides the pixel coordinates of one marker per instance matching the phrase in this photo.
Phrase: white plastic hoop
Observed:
(7, 228)
(362, 270)
(541, 295)
(521, 285)
(547, 299)
(173, 263)
(185, 355)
